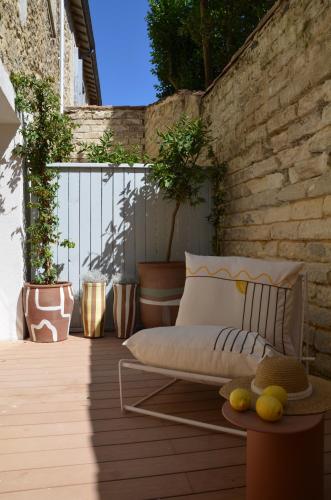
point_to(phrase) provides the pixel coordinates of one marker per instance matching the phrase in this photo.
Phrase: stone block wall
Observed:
(127, 123)
(29, 45)
(26, 41)
(133, 125)
(162, 114)
(270, 115)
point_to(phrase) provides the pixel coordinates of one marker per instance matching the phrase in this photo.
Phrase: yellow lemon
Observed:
(240, 399)
(269, 408)
(277, 392)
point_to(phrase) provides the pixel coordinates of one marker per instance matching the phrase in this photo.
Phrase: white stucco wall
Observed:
(11, 217)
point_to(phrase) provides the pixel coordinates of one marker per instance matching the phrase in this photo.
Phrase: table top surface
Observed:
(286, 425)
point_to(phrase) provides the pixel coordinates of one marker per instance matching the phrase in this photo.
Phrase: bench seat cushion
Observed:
(209, 350)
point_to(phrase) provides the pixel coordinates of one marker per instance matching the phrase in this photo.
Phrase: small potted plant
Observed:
(47, 137)
(179, 176)
(94, 304)
(124, 308)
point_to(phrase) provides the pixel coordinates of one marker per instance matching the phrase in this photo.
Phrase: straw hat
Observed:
(306, 394)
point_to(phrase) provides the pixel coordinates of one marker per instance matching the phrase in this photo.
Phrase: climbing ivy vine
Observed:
(47, 137)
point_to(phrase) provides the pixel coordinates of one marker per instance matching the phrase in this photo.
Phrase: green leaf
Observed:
(177, 32)
(47, 137)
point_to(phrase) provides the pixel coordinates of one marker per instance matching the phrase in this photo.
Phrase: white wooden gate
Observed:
(116, 218)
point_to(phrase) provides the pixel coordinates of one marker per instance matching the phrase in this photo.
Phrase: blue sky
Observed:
(123, 51)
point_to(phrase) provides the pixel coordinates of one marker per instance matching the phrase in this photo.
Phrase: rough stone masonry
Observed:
(270, 116)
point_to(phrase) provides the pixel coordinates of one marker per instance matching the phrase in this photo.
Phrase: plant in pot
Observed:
(94, 303)
(47, 137)
(179, 175)
(124, 308)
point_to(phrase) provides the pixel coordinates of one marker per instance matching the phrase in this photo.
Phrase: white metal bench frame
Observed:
(177, 375)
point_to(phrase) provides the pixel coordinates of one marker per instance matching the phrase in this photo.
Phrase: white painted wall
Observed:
(11, 217)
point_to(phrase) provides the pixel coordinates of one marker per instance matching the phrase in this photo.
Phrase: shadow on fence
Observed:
(119, 252)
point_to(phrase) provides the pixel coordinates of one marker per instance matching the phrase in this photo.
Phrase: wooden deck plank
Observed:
(90, 408)
(45, 407)
(50, 477)
(217, 478)
(89, 396)
(62, 434)
(74, 456)
(128, 489)
(117, 422)
(102, 414)
(101, 439)
(232, 494)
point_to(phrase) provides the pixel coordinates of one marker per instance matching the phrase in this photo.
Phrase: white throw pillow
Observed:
(251, 294)
(209, 350)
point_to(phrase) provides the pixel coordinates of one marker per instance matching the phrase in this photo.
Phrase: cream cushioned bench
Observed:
(234, 312)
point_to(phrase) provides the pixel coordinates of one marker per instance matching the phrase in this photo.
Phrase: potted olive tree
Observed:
(179, 175)
(47, 137)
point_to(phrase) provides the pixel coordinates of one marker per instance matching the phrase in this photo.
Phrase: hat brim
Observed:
(318, 402)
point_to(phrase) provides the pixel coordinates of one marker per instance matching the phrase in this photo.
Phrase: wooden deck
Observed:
(62, 435)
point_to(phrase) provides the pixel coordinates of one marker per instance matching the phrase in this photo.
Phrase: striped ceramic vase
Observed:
(124, 310)
(94, 309)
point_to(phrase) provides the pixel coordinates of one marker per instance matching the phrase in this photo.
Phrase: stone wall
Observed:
(29, 45)
(162, 114)
(69, 58)
(133, 125)
(270, 115)
(127, 123)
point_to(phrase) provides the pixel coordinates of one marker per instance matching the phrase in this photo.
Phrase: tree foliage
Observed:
(47, 138)
(106, 150)
(177, 171)
(192, 40)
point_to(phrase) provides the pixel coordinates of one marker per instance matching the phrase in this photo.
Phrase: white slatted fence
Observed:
(116, 218)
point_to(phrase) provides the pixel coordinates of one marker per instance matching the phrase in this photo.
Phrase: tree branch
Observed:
(171, 236)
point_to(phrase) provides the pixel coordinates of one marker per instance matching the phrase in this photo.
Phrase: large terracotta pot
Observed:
(161, 288)
(48, 310)
(94, 309)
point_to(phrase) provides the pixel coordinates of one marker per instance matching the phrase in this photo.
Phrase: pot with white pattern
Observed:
(47, 310)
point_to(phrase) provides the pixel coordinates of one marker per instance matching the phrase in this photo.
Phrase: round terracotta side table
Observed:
(284, 460)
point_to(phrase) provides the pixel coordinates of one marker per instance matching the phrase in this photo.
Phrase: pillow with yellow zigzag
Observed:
(251, 294)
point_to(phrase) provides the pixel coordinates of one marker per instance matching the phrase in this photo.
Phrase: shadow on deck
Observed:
(62, 434)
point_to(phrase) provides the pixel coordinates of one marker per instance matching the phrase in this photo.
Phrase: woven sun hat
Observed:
(306, 394)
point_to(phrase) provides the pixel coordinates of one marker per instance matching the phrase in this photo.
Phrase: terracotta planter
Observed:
(48, 310)
(94, 309)
(161, 288)
(124, 309)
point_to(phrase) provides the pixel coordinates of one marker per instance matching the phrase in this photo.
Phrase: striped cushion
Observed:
(210, 350)
(231, 339)
(251, 294)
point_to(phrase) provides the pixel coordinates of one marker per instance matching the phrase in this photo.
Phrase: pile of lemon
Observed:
(269, 406)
